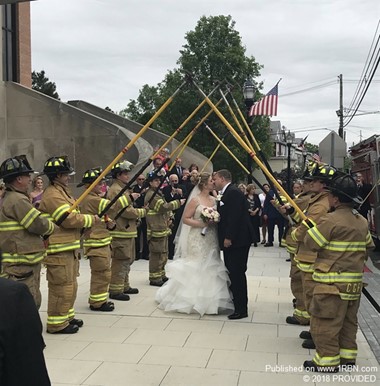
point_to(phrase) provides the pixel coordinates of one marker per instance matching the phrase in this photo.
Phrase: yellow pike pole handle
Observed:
(242, 132)
(191, 134)
(251, 153)
(225, 147)
(184, 123)
(120, 155)
(211, 157)
(370, 192)
(244, 120)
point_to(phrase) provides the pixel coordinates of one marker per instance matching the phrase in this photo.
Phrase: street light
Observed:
(304, 155)
(289, 142)
(249, 91)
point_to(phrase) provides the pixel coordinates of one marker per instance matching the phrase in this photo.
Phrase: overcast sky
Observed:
(104, 51)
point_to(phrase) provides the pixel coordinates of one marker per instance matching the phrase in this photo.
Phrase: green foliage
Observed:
(213, 53)
(41, 83)
(310, 148)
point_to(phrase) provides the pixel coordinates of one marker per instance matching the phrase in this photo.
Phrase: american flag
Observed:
(267, 105)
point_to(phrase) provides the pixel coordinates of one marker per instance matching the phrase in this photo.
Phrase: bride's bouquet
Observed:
(209, 216)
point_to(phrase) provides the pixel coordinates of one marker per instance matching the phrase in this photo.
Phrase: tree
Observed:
(42, 84)
(213, 52)
(310, 148)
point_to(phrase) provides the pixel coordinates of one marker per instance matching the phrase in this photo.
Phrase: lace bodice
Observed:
(199, 245)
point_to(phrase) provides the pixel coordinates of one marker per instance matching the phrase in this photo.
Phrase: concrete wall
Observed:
(34, 124)
(153, 137)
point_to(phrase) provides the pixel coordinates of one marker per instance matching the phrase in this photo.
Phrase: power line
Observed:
(366, 77)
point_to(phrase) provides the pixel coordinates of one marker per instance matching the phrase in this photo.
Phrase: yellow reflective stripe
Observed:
(99, 297)
(97, 242)
(123, 201)
(141, 212)
(336, 277)
(102, 205)
(57, 319)
(308, 223)
(317, 237)
(116, 288)
(51, 228)
(303, 314)
(60, 211)
(29, 218)
(296, 217)
(348, 354)
(47, 216)
(54, 248)
(152, 212)
(326, 361)
(291, 249)
(305, 267)
(293, 235)
(88, 220)
(123, 235)
(23, 259)
(158, 204)
(160, 233)
(71, 313)
(346, 246)
(345, 296)
(368, 240)
(6, 226)
(155, 275)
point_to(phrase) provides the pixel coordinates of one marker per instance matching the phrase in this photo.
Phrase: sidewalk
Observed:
(138, 344)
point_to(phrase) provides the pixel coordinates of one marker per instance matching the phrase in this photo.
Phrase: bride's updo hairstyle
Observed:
(203, 180)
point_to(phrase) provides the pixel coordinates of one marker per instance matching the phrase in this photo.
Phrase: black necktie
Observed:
(179, 171)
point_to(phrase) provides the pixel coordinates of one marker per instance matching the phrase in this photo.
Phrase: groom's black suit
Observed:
(235, 225)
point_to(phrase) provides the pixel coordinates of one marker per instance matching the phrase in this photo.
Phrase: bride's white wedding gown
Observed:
(198, 280)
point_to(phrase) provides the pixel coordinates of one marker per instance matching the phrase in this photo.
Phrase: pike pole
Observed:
(251, 153)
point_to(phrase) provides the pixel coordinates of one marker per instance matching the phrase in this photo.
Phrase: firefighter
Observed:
(318, 207)
(97, 243)
(341, 239)
(21, 226)
(158, 221)
(123, 236)
(302, 201)
(62, 259)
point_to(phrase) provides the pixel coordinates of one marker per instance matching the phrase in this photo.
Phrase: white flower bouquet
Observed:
(209, 216)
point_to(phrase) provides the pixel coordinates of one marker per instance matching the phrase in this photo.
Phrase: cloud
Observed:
(104, 51)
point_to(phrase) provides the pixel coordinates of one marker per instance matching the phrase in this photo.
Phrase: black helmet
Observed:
(16, 166)
(153, 175)
(58, 165)
(307, 174)
(324, 172)
(119, 167)
(345, 185)
(90, 176)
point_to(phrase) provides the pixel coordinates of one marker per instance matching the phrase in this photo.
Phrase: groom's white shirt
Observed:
(224, 189)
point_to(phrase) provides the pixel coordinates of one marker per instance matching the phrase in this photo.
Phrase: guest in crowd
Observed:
(141, 242)
(193, 167)
(178, 169)
(274, 217)
(243, 188)
(254, 212)
(38, 189)
(173, 191)
(263, 219)
(297, 189)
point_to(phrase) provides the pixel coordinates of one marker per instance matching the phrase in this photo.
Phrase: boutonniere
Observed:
(219, 197)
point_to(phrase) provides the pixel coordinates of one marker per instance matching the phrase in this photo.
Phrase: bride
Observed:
(198, 277)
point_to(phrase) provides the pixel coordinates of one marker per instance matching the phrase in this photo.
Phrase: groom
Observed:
(235, 235)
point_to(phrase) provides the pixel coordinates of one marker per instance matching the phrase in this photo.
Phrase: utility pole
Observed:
(340, 114)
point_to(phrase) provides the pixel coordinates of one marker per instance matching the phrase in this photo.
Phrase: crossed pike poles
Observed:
(214, 109)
